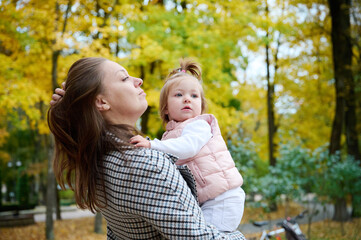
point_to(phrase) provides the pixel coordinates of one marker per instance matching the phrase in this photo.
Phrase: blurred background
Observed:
(283, 77)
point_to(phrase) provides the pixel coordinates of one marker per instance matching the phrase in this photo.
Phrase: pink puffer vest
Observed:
(213, 167)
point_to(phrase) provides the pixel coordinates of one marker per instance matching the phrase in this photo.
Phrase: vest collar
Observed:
(171, 125)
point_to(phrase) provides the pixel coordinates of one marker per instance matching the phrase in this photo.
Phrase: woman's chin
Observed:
(145, 107)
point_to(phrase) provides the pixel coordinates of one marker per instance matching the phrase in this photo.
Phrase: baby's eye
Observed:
(194, 95)
(124, 79)
(178, 94)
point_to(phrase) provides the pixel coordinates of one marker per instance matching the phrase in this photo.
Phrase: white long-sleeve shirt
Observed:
(194, 136)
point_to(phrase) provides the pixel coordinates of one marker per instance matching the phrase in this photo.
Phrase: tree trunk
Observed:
(356, 208)
(350, 122)
(50, 194)
(352, 140)
(54, 71)
(57, 208)
(51, 183)
(184, 4)
(341, 62)
(1, 193)
(341, 213)
(342, 56)
(270, 110)
(145, 116)
(335, 141)
(98, 223)
(270, 115)
(351, 129)
(144, 120)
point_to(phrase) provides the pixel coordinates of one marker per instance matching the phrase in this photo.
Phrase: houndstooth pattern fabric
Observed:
(147, 198)
(189, 179)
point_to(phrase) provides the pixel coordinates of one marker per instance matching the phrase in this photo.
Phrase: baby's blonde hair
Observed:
(188, 68)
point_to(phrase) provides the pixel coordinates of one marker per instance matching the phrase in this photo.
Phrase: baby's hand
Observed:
(140, 141)
(58, 94)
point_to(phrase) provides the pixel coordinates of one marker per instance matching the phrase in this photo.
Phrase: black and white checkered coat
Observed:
(149, 199)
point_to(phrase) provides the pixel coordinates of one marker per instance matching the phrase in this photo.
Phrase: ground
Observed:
(82, 228)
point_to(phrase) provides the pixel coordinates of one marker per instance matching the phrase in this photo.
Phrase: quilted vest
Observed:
(213, 167)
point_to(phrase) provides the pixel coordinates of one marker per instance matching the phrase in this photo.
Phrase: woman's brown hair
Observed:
(188, 68)
(82, 135)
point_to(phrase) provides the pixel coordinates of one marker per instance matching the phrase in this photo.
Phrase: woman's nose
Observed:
(138, 82)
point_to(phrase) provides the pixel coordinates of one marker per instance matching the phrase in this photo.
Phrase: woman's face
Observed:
(121, 101)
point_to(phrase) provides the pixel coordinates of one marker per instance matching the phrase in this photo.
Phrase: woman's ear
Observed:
(101, 104)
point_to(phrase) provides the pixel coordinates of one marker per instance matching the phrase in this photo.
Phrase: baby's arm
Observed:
(140, 141)
(194, 136)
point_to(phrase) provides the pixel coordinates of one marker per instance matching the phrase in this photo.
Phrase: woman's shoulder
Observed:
(156, 155)
(145, 157)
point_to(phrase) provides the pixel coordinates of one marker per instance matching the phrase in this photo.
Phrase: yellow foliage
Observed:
(43, 127)
(151, 38)
(3, 135)
(153, 97)
(4, 157)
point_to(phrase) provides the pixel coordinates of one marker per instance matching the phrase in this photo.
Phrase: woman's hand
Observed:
(140, 141)
(58, 94)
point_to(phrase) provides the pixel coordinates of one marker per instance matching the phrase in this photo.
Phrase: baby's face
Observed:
(184, 100)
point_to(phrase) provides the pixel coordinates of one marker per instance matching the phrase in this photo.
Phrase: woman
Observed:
(140, 192)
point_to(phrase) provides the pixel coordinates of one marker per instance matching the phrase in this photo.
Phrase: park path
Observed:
(72, 212)
(67, 212)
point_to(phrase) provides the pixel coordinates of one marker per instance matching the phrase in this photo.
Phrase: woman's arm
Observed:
(58, 94)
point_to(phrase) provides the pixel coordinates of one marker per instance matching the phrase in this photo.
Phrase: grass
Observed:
(83, 228)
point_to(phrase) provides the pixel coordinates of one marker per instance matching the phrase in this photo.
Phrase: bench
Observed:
(16, 220)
